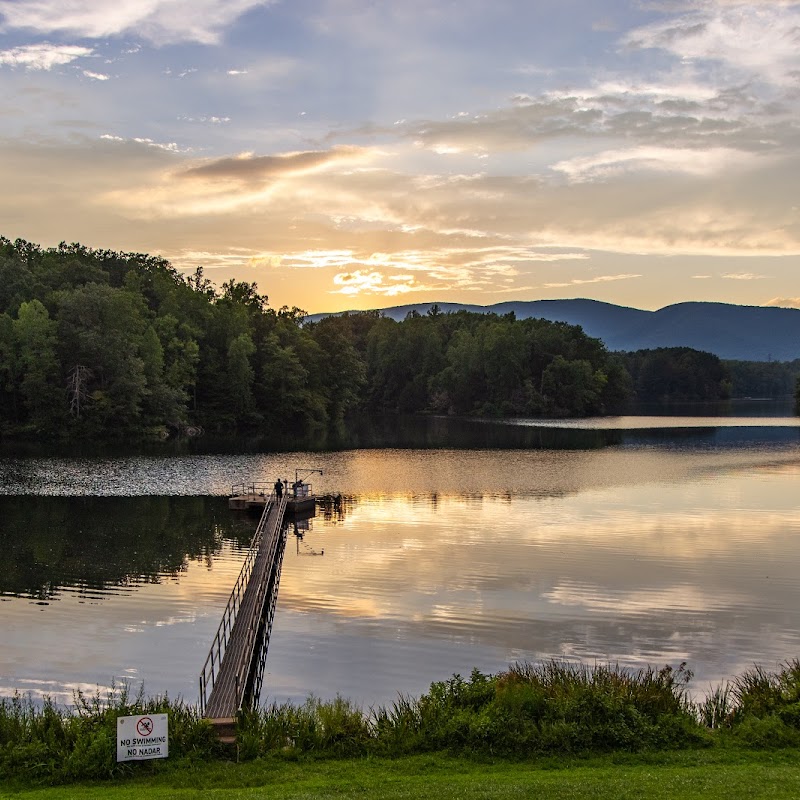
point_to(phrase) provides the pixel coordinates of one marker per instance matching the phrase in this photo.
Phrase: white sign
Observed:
(142, 737)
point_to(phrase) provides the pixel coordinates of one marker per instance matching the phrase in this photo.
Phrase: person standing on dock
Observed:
(278, 489)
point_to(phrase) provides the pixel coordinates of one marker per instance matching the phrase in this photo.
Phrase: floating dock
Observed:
(299, 497)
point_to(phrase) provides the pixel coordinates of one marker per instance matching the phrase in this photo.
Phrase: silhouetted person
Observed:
(278, 489)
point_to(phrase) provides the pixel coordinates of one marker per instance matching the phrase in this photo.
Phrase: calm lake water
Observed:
(638, 540)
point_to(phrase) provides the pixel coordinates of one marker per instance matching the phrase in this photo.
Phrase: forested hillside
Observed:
(763, 378)
(110, 345)
(732, 332)
(678, 374)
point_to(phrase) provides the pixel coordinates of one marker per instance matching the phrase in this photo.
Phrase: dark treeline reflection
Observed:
(463, 433)
(432, 432)
(374, 431)
(416, 431)
(49, 543)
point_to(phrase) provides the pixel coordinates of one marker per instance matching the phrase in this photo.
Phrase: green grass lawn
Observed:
(689, 774)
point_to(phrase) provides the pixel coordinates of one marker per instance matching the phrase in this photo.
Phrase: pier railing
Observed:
(298, 490)
(263, 489)
(260, 653)
(213, 661)
(273, 555)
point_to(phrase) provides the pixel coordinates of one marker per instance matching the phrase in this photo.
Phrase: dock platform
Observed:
(299, 497)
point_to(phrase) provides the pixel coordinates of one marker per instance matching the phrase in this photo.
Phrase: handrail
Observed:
(269, 616)
(262, 489)
(299, 490)
(243, 667)
(208, 674)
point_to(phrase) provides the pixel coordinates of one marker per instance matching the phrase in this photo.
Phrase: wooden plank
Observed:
(226, 694)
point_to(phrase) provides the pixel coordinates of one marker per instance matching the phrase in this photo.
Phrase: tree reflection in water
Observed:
(95, 543)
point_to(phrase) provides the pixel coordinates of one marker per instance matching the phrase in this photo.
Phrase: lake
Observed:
(636, 540)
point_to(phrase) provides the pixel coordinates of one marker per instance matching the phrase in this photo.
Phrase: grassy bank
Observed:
(529, 717)
(710, 775)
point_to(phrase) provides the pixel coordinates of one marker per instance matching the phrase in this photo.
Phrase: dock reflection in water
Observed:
(435, 562)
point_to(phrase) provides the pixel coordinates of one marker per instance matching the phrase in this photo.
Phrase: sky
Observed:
(350, 154)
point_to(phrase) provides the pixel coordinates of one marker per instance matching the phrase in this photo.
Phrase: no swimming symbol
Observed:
(142, 737)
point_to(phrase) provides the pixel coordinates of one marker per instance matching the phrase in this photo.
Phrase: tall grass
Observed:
(527, 710)
(42, 741)
(549, 707)
(335, 728)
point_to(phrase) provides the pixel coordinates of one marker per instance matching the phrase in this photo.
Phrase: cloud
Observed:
(673, 115)
(375, 283)
(518, 127)
(43, 56)
(171, 147)
(355, 213)
(760, 38)
(743, 276)
(598, 279)
(784, 302)
(652, 159)
(697, 5)
(96, 76)
(247, 167)
(158, 21)
(213, 119)
(468, 221)
(318, 259)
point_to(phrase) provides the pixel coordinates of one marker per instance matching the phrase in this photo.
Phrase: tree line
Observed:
(105, 345)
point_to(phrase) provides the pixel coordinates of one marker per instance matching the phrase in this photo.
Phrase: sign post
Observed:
(143, 737)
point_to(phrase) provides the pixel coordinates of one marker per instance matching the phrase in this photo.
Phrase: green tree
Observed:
(504, 365)
(240, 377)
(38, 365)
(678, 373)
(8, 370)
(181, 353)
(162, 402)
(17, 282)
(103, 329)
(342, 368)
(572, 388)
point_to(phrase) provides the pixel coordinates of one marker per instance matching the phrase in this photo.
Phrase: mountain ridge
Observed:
(736, 332)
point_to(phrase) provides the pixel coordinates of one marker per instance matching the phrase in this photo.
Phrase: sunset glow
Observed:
(351, 155)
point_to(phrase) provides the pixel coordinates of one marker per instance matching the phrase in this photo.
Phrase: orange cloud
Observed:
(247, 167)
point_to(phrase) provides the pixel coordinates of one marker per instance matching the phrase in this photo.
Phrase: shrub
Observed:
(42, 741)
(527, 710)
(554, 706)
(762, 695)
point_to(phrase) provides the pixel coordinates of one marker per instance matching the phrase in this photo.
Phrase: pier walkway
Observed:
(232, 675)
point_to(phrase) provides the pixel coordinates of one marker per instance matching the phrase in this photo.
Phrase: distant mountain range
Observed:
(750, 333)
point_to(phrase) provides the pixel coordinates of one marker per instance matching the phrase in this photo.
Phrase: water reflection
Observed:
(416, 588)
(434, 561)
(102, 589)
(698, 423)
(94, 545)
(684, 424)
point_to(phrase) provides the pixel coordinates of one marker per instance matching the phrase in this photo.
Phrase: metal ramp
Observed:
(233, 671)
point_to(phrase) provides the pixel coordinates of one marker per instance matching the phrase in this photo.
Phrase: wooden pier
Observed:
(234, 669)
(232, 675)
